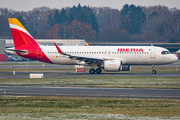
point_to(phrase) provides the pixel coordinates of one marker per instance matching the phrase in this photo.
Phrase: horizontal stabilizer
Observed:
(18, 51)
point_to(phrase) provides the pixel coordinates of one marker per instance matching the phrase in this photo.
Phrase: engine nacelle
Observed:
(113, 65)
(126, 68)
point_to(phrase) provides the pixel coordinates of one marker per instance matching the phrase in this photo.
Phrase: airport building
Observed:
(3, 56)
(50, 42)
(5, 43)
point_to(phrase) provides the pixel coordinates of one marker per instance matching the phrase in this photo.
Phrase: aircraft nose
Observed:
(175, 58)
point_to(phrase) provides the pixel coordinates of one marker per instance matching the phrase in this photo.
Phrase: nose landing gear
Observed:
(153, 69)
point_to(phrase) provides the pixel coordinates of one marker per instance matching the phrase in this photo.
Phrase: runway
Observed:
(91, 92)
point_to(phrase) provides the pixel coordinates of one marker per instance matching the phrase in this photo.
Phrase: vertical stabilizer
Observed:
(21, 36)
(86, 43)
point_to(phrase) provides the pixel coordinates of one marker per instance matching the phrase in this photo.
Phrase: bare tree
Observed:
(107, 17)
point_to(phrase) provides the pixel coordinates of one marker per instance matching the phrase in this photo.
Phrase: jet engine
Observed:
(113, 65)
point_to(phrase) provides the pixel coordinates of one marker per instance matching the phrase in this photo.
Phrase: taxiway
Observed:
(90, 92)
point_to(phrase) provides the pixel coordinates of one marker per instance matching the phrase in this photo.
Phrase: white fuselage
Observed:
(129, 55)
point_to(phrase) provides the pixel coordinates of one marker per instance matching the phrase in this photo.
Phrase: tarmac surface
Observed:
(87, 92)
(91, 92)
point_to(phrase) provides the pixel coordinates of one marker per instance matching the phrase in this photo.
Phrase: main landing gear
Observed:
(153, 69)
(93, 71)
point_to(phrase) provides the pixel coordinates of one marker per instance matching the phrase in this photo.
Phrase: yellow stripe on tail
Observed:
(15, 21)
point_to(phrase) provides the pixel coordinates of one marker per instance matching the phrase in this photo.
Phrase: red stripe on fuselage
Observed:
(22, 41)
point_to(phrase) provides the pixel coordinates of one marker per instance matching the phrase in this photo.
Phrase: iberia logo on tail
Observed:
(24, 43)
(21, 36)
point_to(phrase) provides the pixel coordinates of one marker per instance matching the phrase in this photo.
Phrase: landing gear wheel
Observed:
(92, 71)
(153, 71)
(98, 71)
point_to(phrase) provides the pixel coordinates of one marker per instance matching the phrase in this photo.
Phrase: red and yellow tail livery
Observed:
(20, 35)
(24, 43)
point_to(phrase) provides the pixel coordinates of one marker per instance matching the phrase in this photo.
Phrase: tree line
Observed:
(98, 24)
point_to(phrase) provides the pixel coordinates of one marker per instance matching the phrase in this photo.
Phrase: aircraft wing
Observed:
(86, 59)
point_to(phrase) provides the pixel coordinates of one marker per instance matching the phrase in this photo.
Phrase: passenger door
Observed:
(153, 53)
(39, 53)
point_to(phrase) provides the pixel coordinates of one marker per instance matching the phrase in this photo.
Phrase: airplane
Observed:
(109, 58)
(86, 44)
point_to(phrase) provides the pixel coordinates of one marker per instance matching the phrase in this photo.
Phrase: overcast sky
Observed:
(26, 5)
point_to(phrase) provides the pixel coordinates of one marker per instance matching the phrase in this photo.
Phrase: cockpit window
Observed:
(165, 52)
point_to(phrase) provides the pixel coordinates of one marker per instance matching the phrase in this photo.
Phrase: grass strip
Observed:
(100, 81)
(87, 108)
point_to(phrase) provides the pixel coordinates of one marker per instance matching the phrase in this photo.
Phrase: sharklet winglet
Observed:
(60, 51)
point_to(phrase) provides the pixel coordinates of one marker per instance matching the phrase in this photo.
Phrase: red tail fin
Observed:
(21, 36)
